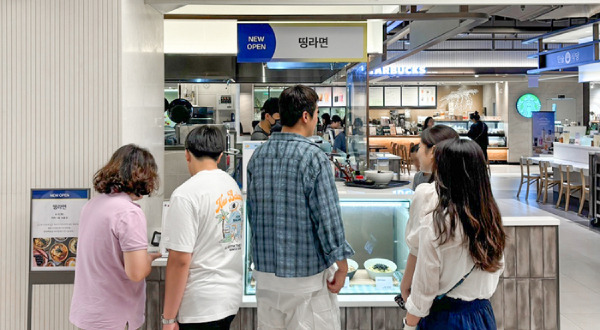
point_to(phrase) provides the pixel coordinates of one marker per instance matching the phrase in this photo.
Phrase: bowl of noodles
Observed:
(378, 267)
(352, 267)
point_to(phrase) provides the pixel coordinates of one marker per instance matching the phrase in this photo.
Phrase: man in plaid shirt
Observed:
(298, 243)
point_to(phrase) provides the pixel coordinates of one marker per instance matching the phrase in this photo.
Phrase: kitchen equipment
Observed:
(379, 267)
(343, 170)
(380, 177)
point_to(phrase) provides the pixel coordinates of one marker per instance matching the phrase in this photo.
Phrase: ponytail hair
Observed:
(465, 198)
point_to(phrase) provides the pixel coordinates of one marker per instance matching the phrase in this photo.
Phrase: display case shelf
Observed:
(382, 236)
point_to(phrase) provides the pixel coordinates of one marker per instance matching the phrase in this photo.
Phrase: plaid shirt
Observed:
(293, 208)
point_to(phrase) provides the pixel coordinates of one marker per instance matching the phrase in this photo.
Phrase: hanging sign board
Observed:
(54, 228)
(567, 57)
(302, 42)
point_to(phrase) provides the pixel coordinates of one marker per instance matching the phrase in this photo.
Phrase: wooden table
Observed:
(377, 148)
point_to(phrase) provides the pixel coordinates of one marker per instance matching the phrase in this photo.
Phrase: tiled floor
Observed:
(579, 251)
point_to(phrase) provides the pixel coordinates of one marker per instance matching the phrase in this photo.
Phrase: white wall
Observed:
(595, 99)
(246, 107)
(519, 128)
(142, 96)
(62, 107)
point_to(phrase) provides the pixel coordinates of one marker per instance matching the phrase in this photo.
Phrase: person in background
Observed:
(112, 256)
(429, 138)
(414, 159)
(428, 123)
(460, 245)
(298, 242)
(325, 123)
(203, 232)
(339, 143)
(479, 132)
(269, 119)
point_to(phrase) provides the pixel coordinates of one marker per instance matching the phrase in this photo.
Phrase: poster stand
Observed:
(54, 226)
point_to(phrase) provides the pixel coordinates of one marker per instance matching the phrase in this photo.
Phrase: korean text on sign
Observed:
(313, 42)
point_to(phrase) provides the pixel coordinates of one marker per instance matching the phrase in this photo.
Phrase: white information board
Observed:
(393, 96)
(375, 96)
(54, 227)
(410, 96)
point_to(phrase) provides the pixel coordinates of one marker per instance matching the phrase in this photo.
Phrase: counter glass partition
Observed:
(375, 230)
(357, 123)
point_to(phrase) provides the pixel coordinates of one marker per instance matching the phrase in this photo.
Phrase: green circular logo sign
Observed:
(527, 104)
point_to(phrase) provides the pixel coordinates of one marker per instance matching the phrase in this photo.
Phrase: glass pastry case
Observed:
(375, 230)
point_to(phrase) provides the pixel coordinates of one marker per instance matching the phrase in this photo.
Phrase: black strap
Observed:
(456, 285)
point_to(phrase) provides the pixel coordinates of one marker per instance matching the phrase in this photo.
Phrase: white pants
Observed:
(317, 310)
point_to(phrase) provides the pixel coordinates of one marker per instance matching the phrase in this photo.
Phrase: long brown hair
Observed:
(131, 170)
(465, 198)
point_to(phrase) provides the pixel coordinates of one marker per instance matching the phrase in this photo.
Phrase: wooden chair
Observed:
(527, 178)
(404, 158)
(410, 160)
(566, 186)
(547, 180)
(585, 191)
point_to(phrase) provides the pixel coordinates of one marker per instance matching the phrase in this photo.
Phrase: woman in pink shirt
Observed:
(112, 257)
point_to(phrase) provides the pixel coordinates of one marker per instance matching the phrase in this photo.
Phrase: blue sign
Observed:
(543, 132)
(60, 194)
(570, 58)
(567, 58)
(256, 43)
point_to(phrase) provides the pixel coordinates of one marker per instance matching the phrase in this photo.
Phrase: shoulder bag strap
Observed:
(456, 285)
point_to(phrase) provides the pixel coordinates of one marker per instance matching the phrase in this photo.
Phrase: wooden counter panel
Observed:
(498, 154)
(387, 141)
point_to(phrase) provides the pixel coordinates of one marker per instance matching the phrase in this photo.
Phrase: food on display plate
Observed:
(73, 245)
(41, 243)
(59, 252)
(352, 267)
(40, 258)
(60, 239)
(380, 267)
(70, 262)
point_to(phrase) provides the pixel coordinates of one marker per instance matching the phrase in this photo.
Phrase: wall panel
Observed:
(59, 75)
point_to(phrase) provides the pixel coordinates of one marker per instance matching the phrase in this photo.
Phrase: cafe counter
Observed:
(374, 221)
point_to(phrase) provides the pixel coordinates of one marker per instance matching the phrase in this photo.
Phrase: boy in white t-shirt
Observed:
(203, 232)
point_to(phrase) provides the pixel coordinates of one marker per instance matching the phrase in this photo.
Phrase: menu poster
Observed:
(543, 132)
(375, 96)
(410, 96)
(393, 96)
(324, 94)
(54, 227)
(339, 96)
(427, 96)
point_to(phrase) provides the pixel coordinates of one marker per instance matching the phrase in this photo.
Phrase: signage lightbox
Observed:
(302, 42)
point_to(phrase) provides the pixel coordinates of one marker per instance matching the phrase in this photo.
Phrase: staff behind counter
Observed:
(269, 120)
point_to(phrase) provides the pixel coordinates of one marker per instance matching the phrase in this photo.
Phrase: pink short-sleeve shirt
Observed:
(103, 296)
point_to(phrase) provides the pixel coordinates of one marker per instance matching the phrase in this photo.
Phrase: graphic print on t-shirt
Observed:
(229, 214)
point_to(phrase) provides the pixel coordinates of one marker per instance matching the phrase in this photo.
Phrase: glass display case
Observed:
(375, 230)
(496, 134)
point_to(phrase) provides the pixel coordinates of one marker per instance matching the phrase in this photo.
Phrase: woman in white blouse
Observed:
(459, 245)
(425, 198)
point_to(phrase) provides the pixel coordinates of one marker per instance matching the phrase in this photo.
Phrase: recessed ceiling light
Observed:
(476, 76)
